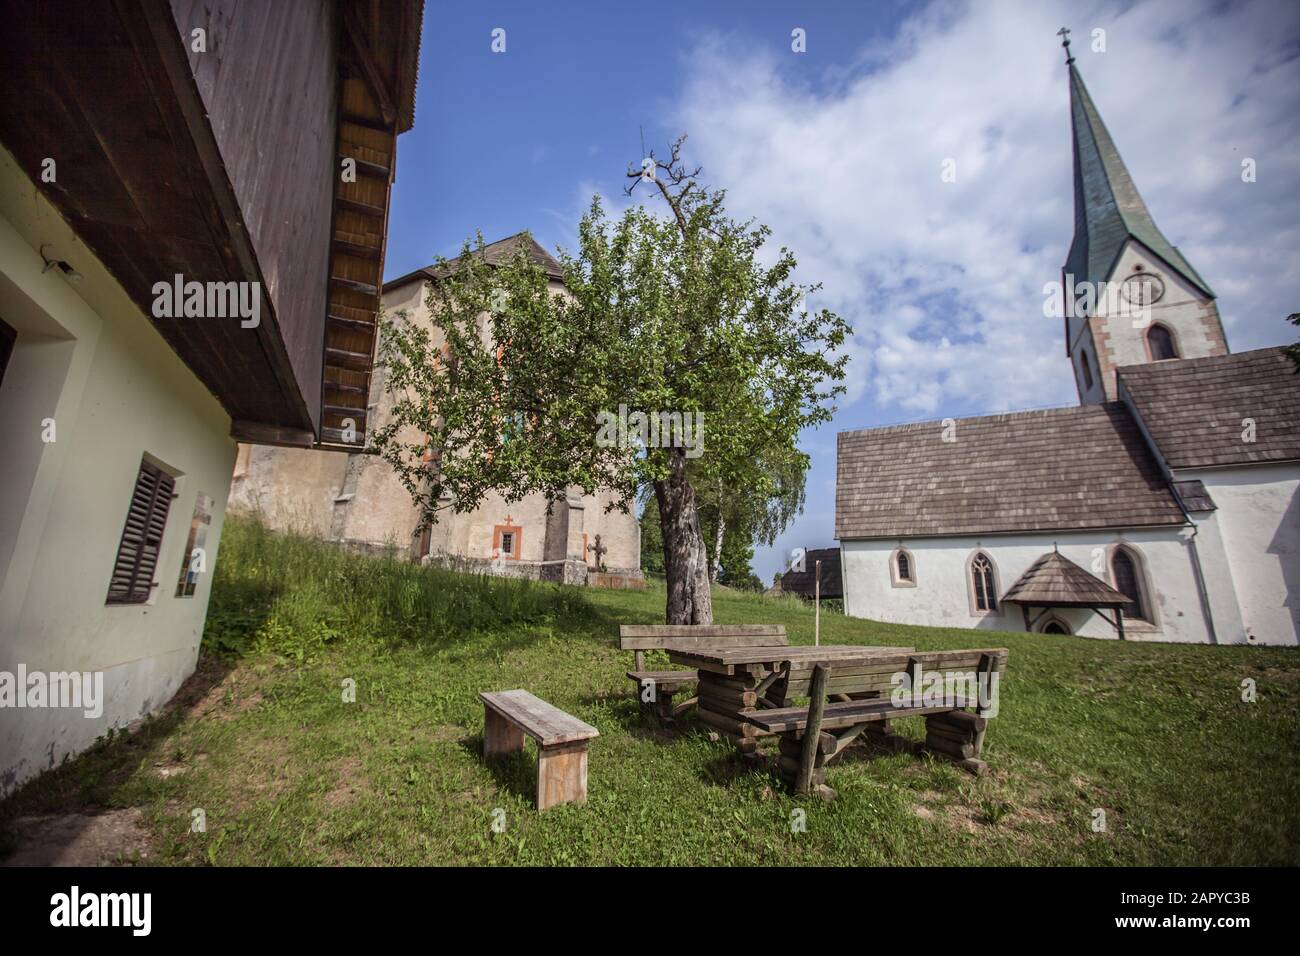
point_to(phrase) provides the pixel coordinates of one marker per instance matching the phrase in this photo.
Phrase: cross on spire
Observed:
(1064, 34)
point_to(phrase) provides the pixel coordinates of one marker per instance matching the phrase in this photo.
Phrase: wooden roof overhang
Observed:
(108, 92)
(378, 58)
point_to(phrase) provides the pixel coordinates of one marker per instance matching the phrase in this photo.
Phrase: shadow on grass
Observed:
(89, 782)
(513, 772)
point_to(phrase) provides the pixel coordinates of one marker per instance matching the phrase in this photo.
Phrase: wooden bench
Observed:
(954, 724)
(655, 689)
(561, 742)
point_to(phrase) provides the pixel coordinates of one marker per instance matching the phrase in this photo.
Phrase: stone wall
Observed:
(358, 500)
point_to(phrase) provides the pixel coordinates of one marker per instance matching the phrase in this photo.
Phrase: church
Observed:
(1164, 507)
(356, 499)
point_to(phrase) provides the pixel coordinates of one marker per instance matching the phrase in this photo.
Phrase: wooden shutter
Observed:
(137, 553)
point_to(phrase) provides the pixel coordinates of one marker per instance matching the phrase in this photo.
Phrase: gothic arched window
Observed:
(983, 586)
(1128, 581)
(1160, 341)
(902, 569)
(1087, 370)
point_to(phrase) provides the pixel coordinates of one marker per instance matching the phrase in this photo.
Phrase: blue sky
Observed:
(839, 150)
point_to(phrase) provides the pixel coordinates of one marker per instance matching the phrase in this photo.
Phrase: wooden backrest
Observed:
(878, 673)
(685, 637)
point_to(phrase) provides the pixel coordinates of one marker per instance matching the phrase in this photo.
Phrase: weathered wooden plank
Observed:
(700, 630)
(813, 728)
(840, 715)
(544, 722)
(562, 774)
(739, 656)
(664, 677)
(730, 724)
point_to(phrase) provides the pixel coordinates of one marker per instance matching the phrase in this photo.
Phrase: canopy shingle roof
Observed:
(1056, 581)
(1061, 468)
(1194, 409)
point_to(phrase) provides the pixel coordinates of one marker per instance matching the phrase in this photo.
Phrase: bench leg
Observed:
(499, 735)
(663, 707)
(562, 774)
(959, 736)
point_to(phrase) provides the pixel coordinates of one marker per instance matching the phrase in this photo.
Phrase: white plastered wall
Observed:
(941, 596)
(87, 357)
(1258, 519)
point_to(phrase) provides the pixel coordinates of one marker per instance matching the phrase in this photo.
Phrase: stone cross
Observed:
(600, 551)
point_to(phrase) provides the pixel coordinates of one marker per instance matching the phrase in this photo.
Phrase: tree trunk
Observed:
(686, 563)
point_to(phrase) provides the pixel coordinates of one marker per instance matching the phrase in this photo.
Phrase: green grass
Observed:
(1155, 735)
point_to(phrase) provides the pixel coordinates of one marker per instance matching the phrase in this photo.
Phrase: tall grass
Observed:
(293, 595)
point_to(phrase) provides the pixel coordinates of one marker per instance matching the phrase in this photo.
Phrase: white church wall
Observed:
(1259, 520)
(1219, 579)
(941, 597)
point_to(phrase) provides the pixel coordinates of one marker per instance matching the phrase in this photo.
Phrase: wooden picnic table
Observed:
(738, 681)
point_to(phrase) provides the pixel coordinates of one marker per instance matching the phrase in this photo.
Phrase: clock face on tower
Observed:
(1142, 288)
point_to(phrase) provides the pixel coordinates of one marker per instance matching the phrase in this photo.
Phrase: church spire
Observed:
(1108, 209)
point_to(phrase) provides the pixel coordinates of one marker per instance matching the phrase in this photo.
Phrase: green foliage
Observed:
(677, 315)
(294, 596)
(652, 538)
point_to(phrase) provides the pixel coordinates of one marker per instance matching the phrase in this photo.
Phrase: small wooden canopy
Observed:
(1056, 581)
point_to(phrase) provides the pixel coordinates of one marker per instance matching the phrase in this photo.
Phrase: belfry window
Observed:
(1160, 341)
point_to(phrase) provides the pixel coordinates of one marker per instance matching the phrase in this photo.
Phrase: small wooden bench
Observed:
(865, 706)
(561, 742)
(655, 689)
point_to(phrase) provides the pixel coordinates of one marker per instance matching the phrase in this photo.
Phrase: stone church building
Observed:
(356, 499)
(1165, 507)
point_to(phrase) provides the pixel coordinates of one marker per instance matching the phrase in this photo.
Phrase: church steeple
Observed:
(1119, 253)
(1108, 210)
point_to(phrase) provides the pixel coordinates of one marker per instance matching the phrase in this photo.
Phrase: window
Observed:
(195, 559)
(1087, 370)
(137, 553)
(902, 569)
(1128, 581)
(1055, 626)
(507, 540)
(984, 588)
(1160, 343)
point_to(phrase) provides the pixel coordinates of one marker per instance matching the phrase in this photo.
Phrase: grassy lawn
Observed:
(286, 772)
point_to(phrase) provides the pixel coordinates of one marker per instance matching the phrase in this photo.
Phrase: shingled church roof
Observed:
(1107, 206)
(1196, 410)
(1052, 469)
(1056, 581)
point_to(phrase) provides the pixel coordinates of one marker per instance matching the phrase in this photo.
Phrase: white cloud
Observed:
(943, 282)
